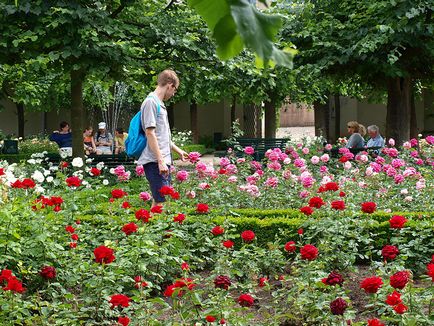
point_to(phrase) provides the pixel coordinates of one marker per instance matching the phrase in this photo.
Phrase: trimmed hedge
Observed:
(191, 148)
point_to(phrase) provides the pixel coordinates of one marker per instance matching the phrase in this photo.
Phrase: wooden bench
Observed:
(334, 152)
(109, 160)
(261, 145)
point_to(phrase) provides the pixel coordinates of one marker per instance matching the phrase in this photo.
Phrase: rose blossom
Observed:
(375, 322)
(325, 158)
(246, 300)
(290, 246)
(140, 171)
(307, 210)
(369, 207)
(371, 284)
(399, 280)
(338, 306)
(103, 255)
(182, 175)
(314, 159)
(202, 208)
(389, 252)
(249, 150)
(338, 205)
(400, 308)
(129, 228)
(308, 252)
(228, 244)
(248, 236)
(397, 222)
(222, 282)
(333, 279)
(217, 230)
(393, 299)
(145, 196)
(119, 300)
(48, 272)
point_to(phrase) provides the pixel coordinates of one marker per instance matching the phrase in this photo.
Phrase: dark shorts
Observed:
(156, 180)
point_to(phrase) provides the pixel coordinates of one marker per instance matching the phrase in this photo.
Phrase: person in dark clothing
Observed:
(63, 138)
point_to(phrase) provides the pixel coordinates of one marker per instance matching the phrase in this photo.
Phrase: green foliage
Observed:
(191, 148)
(37, 145)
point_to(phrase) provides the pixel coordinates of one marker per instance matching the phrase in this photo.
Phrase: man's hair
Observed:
(374, 128)
(63, 124)
(167, 76)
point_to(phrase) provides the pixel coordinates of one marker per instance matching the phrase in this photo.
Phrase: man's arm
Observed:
(183, 154)
(153, 146)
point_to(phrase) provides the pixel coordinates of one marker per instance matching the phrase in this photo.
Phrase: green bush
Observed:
(191, 148)
(37, 145)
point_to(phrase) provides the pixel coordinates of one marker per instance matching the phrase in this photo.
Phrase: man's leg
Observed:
(156, 182)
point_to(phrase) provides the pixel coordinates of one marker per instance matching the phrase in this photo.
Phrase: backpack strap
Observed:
(157, 101)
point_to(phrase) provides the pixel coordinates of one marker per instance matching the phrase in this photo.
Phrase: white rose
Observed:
(38, 176)
(47, 172)
(77, 162)
(404, 192)
(105, 182)
(49, 179)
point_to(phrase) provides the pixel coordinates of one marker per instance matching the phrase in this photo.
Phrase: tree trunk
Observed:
(413, 119)
(249, 120)
(77, 111)
(233, 106)
(398, 109)
(171, 116)
(337, 132)
(322, 126)
(20, 114)
(258, 121)
(270, 120)
(193, 122)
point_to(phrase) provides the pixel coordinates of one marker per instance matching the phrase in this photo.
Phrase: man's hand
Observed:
(183, 155)
(162, 167)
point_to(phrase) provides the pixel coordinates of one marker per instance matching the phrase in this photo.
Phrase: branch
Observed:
(117, 11)
(170, 4)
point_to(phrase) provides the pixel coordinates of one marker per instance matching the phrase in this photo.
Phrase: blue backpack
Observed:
(136, 140)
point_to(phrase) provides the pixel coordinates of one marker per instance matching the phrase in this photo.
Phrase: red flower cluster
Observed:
(389, 252)
(25, 184)
(369, 207)
(262, 282)
(400, 308)
(309, 252)
(246, 300)
(217, 230)
(394, 298)
(129, 228)
(48, 272)
(179, 218)
(397, 222)
(290, 246)
(202, 208)
(140, 283)
(118, 193)
(338, 205)
(331, 186)
(182, 284)
(124, 321)
(333, 279)
(42, 202)
(400, 279)
(248, 236)
(70, 229)
(228, 244)
(12, 283)
(306, 210)
(143, 215)
(73, 182)
(210, 319)
(2, 172)
(338, 306)
(371, 284)
(126, 205)
(430, 270)
(119, 300)
(169, 191)
(103, 255)
(375, 322)
(316, 202)
(222, 282)
(157, 209)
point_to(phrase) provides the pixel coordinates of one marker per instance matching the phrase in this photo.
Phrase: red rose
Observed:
(185, 266)
(143, 215)
(222, 282)
(103, 255)
(400, 308)
(290, 246)
(124, 321)
(316, 202)
(118, 193)
(157, 209)
(393, 299)
(126, 205)
(262, 282)
(56, 200)
(248, 236)
(64, 165)
(74, 237)
(169, 291)
(139, 282)
(73, 245)
(57, 208)
(6, 275)
(342, 194)
(14, 285)
(246, 300)
(119, 300)
(17, 184)
(202, 208)
(399, 280)
(69, 229)
(129, 228)
(73, 182)
(389, 252)
(308, 252)
(28, 183)
(338, 205)
(371, 284)
(331, 186)
(397, 222)
(95, 172)
(48, 272)
(228, 244)
(430, 271)
(333, 279)
(217, 230)
(210, 319)
(338, 306)
(375, 322)
(2, 172)
(175, 195)
(179, 218)
(306, 210)
(166, 190)
(369, 207)
(300, 231)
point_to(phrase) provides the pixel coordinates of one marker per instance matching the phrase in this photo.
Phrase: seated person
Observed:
(120, 137)
(63, 138)
(88, 141)
(103, 140)
(356, 131)
(375, 139)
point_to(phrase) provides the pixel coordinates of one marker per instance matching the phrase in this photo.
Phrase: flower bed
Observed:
(276, 242)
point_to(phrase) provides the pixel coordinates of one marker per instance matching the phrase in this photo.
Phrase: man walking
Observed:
(156, 158)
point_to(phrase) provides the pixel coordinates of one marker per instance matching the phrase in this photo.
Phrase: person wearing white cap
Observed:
(103, 140)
